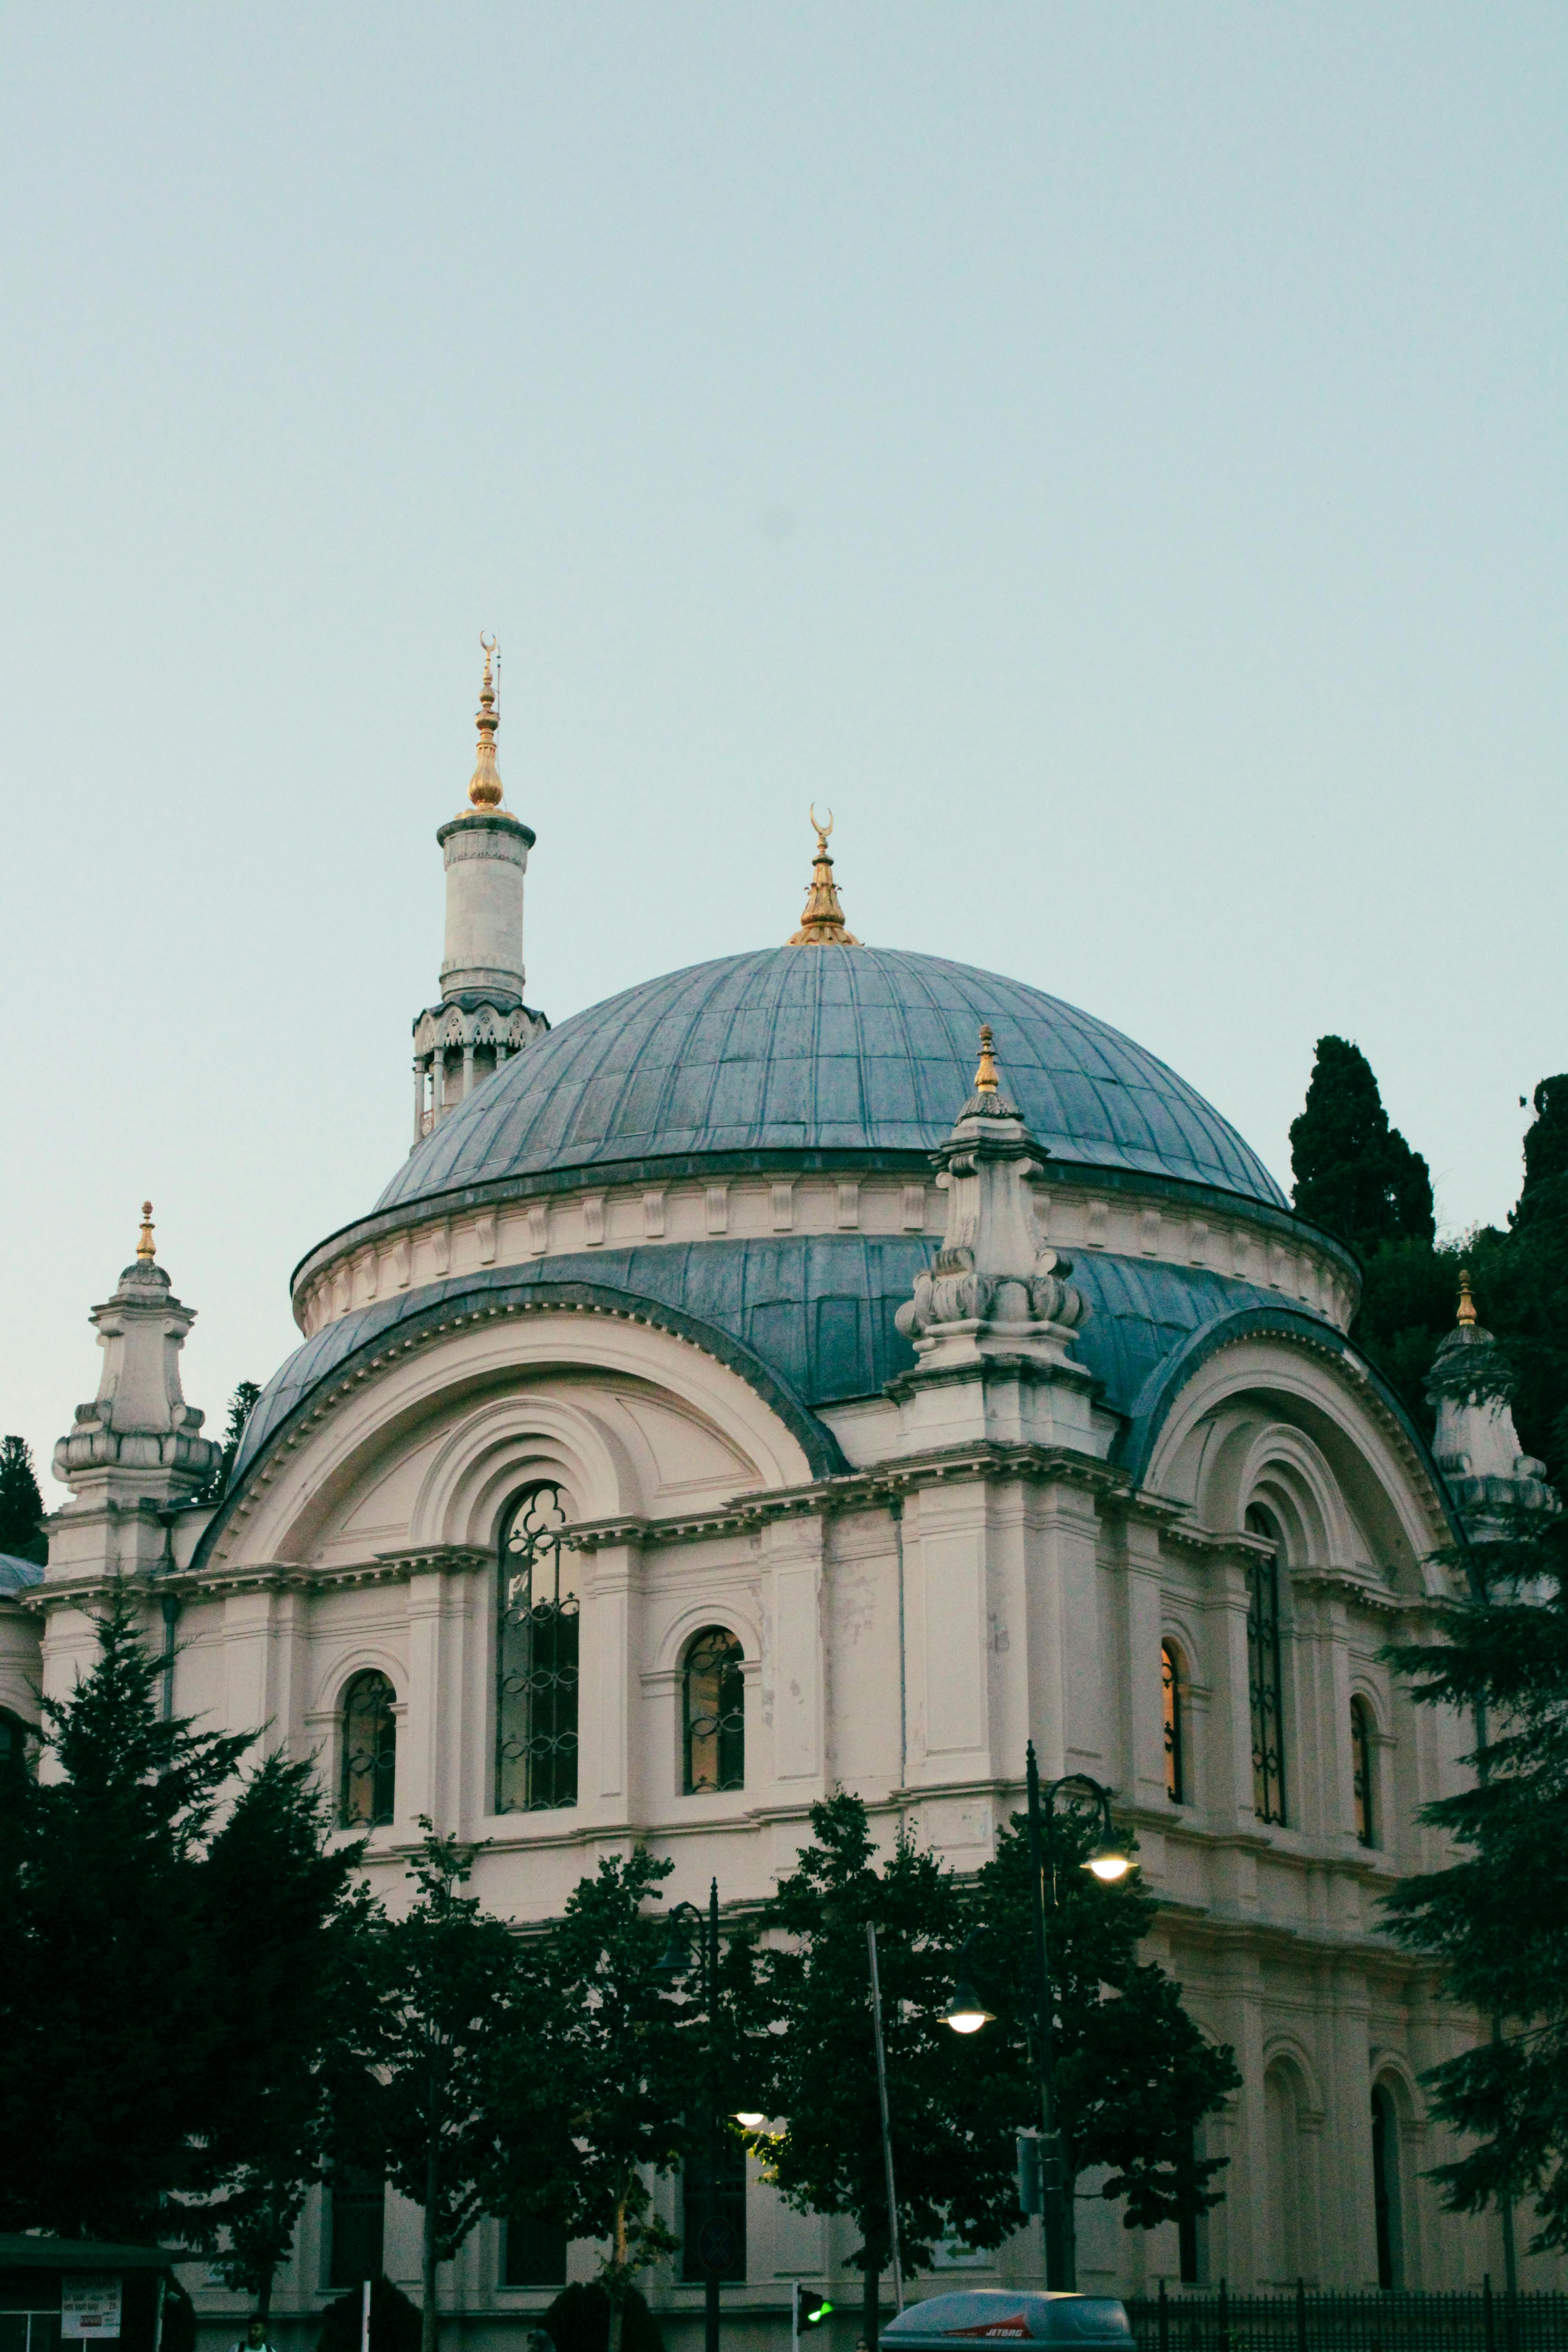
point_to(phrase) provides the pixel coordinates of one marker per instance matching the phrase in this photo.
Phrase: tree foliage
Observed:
(241, 1405)
(954, 2162)
(601, 2089)
(440, 2007)
(160, 1957)
(1133, 2077)
(21, 1504)
(1502, 1658)
(1355, 1174)
(286, 1913)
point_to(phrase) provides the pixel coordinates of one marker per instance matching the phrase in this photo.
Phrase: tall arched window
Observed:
(1265, 1681)
(536, 1659)
(1361, 1793)
(1170, 1704)
(715, 1713)
(1386, 2186)
(370, 1752)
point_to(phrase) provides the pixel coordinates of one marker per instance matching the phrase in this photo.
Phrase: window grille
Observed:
(536, 1659)
(715, 1713)
(1265, 1680)
(1361, 1772)
(1170, 1702)
(370, 1752)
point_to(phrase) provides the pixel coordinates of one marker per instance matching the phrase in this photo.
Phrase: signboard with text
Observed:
(89, 2305)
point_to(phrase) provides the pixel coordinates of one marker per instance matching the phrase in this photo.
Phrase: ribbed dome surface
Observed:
(822, 1049)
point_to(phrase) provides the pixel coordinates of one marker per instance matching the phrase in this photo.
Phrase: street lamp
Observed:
(1107, 1859)
(715, 2240)
(965, 2013)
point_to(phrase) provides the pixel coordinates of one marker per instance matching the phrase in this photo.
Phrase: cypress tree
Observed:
(1355, 1174)
(21, 1504)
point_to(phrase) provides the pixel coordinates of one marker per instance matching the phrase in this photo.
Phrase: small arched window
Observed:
(536, 1659)
(1171, 1703)
(1264, 1676)
(370, 1752)
(715, 1713)
(1362, 1791)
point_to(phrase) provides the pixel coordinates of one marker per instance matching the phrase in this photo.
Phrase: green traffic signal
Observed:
(810, 2309)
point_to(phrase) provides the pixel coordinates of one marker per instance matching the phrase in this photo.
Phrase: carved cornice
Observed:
(861, 1490)
(216, 1582)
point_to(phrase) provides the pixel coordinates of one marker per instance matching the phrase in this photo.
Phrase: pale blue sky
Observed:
(1112, 454)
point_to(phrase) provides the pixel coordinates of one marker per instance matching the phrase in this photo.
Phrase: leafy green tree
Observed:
(1132, 2076)
(112, 2046)
(170, 1948)
(21, 1504)
(440, 2003)
(1501, 1656)
(286, 1916)
(598, 2095)
(241, 1405)
(954, 2161)
(1355, 1174)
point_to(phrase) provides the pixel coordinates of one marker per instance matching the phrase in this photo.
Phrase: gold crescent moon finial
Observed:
(822, 830)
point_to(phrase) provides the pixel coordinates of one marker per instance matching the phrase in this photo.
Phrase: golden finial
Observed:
(485, 785)
(1467, 1304)
(985, 1076)
(144, 1249)
(822, 921)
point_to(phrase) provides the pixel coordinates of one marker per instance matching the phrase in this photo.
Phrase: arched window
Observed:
(715, 1713)
(1386, 2186)
(536, 1659)
(18, 1747)
(1170, 1702)
(1286, 2206)
(370, 1752)
(1362, 1793)
(1265, 1682)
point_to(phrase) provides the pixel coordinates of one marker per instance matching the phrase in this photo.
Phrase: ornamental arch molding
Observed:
(504, 1396)
(512, 1442)
(1266, 1415)
(724, 1605)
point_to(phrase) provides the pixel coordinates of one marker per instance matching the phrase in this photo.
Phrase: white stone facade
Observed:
(920, 1579)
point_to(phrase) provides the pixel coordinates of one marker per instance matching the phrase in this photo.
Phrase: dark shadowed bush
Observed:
(579, 2321)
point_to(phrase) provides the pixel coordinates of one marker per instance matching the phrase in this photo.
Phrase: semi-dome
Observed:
(837, 1050)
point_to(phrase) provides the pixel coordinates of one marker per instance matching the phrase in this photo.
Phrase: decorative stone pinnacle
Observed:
(485, 789)
(822, 919)
(988, 1101)
(144, 1248)
(1466, 1315)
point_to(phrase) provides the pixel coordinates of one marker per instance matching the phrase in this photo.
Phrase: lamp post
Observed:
(967, 2013)
(714, 2246)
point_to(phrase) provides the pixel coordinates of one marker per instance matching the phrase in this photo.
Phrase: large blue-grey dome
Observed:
(835, 1049)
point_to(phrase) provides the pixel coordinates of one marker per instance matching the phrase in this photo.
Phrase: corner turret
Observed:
(1476, 1445)
(136, 1449)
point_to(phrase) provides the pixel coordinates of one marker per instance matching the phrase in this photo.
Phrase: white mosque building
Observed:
(644, 1472)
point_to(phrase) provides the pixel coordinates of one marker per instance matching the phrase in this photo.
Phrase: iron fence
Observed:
(1314, 2321)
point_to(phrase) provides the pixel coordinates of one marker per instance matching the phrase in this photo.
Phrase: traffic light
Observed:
(808, 2309)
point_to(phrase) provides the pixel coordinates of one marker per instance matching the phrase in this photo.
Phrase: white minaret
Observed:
(481, 1018)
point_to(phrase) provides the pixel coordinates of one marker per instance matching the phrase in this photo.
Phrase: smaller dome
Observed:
(826, 1050)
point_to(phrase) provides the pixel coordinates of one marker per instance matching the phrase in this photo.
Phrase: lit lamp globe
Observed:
(965, 2013)
(748, 2120)
(1108, 1863)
